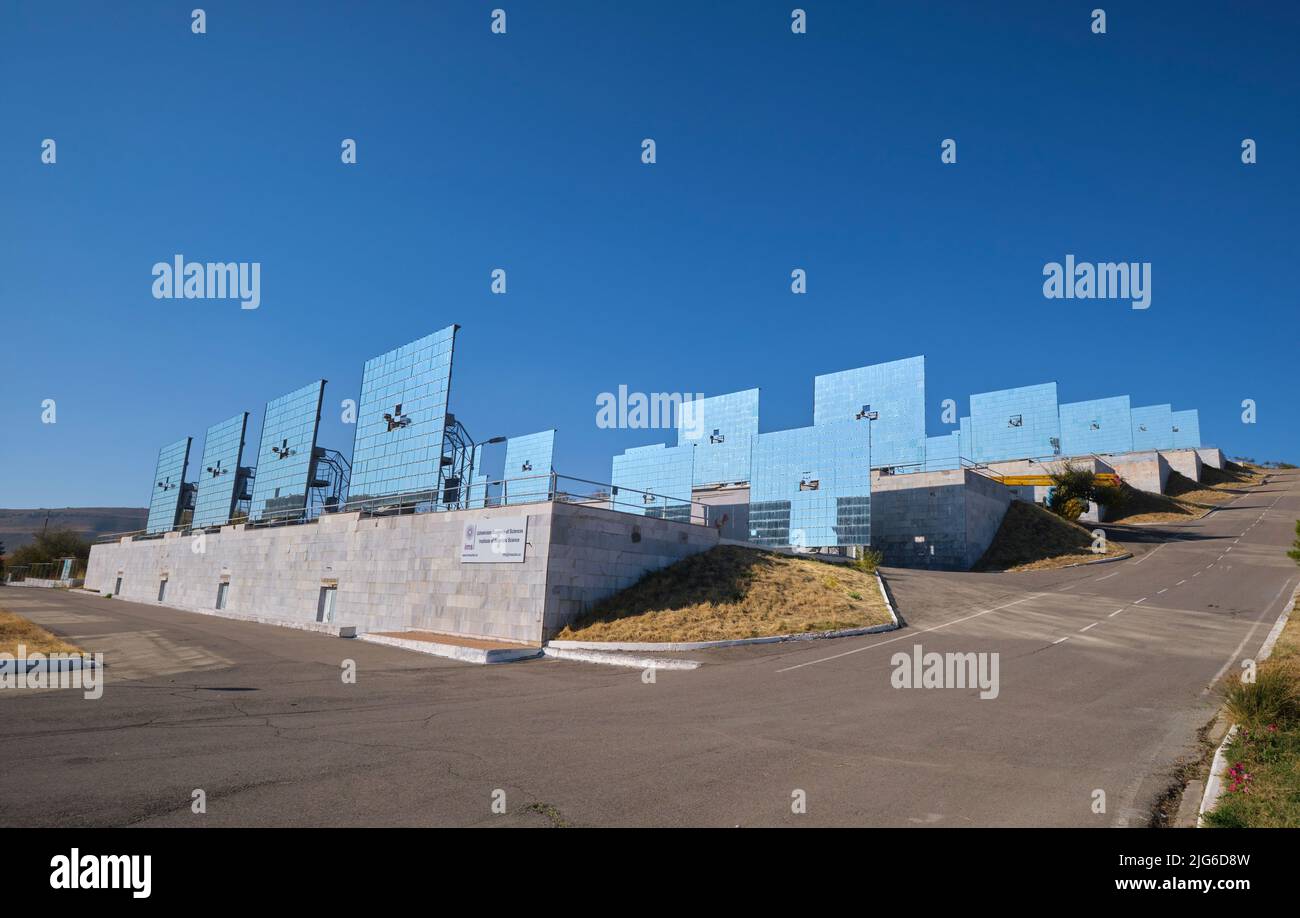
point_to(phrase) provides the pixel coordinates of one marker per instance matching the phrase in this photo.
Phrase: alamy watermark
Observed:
(219, 280)
(647, 411)
(946, 670)
(53, 670)
(1102, 281)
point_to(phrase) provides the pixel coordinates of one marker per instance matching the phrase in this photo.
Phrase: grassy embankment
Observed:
(1033, 538)
(730, 592)
(1262, 786)
(1185, 499)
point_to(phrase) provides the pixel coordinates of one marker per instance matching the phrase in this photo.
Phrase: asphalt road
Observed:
(1105, 678)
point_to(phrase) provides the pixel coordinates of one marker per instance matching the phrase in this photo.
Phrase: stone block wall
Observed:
(596, 552)
(404, 573)
(943, 520)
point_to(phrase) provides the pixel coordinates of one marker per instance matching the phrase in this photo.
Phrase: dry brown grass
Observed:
(1185, 499)
(15, 630)
(1033, 538)
(731, 592)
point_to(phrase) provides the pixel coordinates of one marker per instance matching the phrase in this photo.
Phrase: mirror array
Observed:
(286, 456)
(169, 485)
(219, 473)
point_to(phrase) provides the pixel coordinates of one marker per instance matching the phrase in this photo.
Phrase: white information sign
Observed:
(495, 540)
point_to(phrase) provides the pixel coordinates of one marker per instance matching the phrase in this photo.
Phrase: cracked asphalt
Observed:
(1105, 672)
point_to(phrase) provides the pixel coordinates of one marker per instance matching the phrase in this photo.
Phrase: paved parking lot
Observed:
(1104, 671)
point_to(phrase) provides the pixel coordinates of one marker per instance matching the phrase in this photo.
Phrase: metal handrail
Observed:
(545, 487)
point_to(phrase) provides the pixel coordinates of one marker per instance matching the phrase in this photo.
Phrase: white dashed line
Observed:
(1165, 590)
(911, 634)
(1061, 640)
(1093, 625)
(1116, 612)
(1143, 599)
(1180, 583)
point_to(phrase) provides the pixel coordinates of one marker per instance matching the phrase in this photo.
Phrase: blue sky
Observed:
(522, 151)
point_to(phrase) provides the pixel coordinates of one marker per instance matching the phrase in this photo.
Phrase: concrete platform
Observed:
(455, 647)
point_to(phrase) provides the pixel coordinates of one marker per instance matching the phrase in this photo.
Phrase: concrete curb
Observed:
(460, 652)
(675, 646)
(1214, 783)
(1123, 557)
(617, 659)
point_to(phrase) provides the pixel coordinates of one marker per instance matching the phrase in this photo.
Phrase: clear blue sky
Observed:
(522, 151)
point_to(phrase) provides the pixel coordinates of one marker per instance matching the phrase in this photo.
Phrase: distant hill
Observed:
(18, 527)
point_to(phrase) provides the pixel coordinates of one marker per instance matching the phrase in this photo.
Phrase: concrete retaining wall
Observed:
(1148, 471)
(45, 583)
(404, 572)
(1211, 456)
(943, 520)
(1183, 461)
(595, 552)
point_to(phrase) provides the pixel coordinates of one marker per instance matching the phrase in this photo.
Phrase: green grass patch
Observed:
(1262, 785)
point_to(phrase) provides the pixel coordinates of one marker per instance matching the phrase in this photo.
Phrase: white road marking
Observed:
(1180, 583)
(1232, 659)
(910, 633)
(1150, 553)
(1143, 599)
(1061, 640)
(1108, 576)
(1116, 612)
(1197, 574)
(1165, 590)
(1093, 625)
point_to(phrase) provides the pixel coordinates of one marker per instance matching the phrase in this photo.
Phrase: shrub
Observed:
(1273, 697)
(869, 561)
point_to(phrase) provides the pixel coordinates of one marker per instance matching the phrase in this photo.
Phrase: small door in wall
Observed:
(325, 605)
